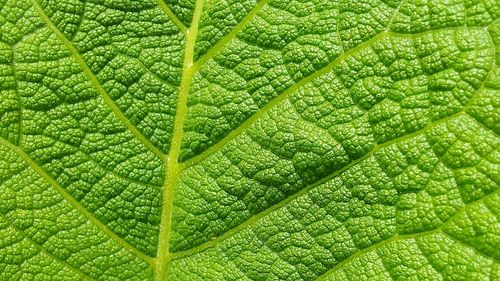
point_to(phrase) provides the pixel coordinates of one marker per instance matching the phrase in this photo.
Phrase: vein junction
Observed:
(306, 126)
(172, 165)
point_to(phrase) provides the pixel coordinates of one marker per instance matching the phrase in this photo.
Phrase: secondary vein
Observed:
(323, 180)
(93, 79)
(42, 249)
(77, 205)
(166, 9)
(278, 99)
(225, 40)
(216, 146)
(172, 165)
(439, 230)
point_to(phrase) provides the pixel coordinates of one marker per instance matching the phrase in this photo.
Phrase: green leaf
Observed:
(249, 140)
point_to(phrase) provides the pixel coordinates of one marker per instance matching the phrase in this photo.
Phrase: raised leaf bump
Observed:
(249, 140)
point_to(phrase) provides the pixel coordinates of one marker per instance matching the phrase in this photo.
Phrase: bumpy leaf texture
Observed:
(249, 140)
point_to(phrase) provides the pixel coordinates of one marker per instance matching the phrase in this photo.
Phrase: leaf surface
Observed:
(249, 140)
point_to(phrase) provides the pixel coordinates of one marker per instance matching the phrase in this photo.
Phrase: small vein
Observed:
(429, 261)
(233, 134)
(80, 21)
(371, 248)
(224, 40)
(18, 94)
(84, 211)
(148, 70)
(480, 124)
(281, 97)
(108, 171)
(282, 203)
(342, 49)
(483, 85)
(396, 11)
(93, 79)
(40, 247)
(438, 230)
(166, 9)
(463, 243)
(384, 265)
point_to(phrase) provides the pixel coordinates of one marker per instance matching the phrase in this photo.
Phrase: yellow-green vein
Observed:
(39, 170)
(281, 97)
(438, 230)
(172, 165)
(282, 203)
(39, 247)
(222, 42)
(107, 99)
(166, 9)
(217, 146)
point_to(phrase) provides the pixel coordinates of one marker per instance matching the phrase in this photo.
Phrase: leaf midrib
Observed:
(172, 167)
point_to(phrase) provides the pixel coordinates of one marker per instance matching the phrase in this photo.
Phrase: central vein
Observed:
(172, 164)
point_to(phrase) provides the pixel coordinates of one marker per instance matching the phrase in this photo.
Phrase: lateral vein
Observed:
(93, 79)
(40, 247)
(166, 9)
(281, 97)
(224, 40)
(439, 229)
(84, 211)
(282, 203)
